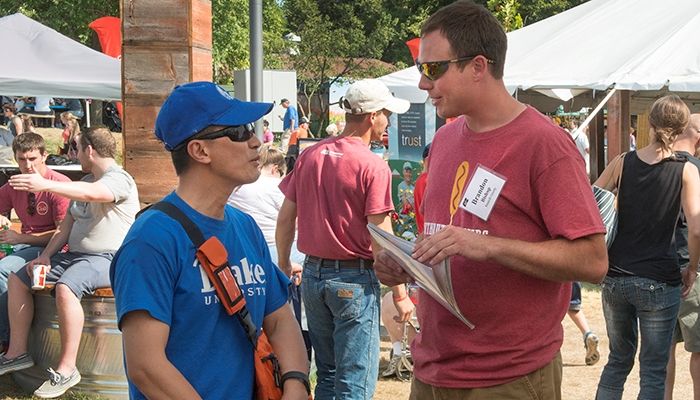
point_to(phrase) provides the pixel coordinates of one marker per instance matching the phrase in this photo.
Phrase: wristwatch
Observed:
(300, 376)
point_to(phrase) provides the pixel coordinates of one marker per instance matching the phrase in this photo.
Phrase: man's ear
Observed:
(198, 151)
(479, 67)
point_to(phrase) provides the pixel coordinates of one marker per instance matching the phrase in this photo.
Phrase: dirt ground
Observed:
(579, 381)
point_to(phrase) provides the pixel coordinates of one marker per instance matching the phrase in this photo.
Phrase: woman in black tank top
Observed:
(644, 284)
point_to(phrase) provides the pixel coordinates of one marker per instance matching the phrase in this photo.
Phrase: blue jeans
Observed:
(654, 304)
(10, 264)
(342, 309)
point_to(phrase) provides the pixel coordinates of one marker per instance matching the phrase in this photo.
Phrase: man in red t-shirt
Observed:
(419, 190)
(40, 214)
(501, 186)
(336, 188)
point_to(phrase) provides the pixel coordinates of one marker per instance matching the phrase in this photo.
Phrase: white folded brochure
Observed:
(435, 280)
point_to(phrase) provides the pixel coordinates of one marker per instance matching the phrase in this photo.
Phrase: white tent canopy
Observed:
(38, 61)
(626, 44)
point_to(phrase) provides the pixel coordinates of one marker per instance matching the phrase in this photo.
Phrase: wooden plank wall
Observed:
(165, 43)
(618, 124)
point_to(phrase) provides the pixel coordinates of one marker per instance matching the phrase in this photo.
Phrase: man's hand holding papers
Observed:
(451, 241)
(394, 265)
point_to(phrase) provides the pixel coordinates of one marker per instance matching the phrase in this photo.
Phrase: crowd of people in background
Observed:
(19, 114)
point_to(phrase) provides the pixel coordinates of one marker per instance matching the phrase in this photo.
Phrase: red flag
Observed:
(109, 32)
(413, 45)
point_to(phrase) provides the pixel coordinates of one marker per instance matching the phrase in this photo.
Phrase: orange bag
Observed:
(267, 371)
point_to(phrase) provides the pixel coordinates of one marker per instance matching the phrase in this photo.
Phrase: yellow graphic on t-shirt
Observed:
(458, 188)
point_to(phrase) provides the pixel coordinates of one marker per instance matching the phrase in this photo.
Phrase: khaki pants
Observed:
(543, 384)
(284, 140)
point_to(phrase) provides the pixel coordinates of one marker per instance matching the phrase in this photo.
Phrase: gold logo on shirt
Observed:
(458, 188)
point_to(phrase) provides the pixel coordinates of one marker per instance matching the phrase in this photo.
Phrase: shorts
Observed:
(575, 302)
(81, 272)
(687, 327)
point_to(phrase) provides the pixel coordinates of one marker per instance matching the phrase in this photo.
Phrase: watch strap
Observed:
(298, 375)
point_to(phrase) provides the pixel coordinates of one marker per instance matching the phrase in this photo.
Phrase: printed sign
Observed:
(411, 132)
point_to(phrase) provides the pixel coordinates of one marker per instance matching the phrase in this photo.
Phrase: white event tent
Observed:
(38, 61)
(637, 45)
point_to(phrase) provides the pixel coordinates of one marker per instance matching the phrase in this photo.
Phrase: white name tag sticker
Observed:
(482, 192)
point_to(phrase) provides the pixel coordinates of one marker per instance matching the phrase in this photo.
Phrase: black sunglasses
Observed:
(31, 203)
(238, 133)
(435, 69)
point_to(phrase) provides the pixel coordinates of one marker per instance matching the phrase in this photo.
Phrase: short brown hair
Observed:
(471, 30)
(9, 106)
(668, 118)
(28, 141)
(101, 140)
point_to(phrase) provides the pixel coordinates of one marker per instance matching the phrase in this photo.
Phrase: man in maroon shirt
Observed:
(40, 214)
(336, 188)
(501, 186)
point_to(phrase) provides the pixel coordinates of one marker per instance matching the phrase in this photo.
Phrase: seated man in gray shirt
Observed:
(102, 208)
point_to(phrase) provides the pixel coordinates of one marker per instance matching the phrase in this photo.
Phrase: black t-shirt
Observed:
(649, 203)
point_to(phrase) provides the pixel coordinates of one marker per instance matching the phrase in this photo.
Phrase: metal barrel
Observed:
(100, 359)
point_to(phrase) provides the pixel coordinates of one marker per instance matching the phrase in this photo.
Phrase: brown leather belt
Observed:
(353, 263)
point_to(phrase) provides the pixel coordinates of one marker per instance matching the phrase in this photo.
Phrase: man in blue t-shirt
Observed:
(290, 121)
(178, 340)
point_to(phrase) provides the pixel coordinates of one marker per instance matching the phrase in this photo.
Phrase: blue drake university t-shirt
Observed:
(156, 271)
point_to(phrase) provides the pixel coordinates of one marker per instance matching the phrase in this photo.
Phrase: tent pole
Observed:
(595, 111)
(87, 113)
(596, 137)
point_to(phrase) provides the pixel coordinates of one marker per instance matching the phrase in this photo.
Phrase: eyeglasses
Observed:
(31, 203)
(433, 70)
(238, 133)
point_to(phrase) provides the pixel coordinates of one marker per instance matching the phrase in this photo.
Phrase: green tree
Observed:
(537, 10)
(411, 15)
(506, 11)
(339, 40)
(230, 25)
(69, 19)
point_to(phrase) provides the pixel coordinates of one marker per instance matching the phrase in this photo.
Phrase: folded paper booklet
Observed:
(435, 280)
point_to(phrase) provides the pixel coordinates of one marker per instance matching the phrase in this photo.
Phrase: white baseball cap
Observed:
(371, 95)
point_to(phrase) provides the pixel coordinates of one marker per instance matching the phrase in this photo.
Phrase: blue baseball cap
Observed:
(196, 105)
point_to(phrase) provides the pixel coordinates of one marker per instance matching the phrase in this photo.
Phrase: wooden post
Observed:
(166, 43)
(643, 130)
(618, 123)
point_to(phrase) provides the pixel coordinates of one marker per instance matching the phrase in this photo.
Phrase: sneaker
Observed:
(57, 384)
(20, 362)
(590, 342)
(393, 365)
